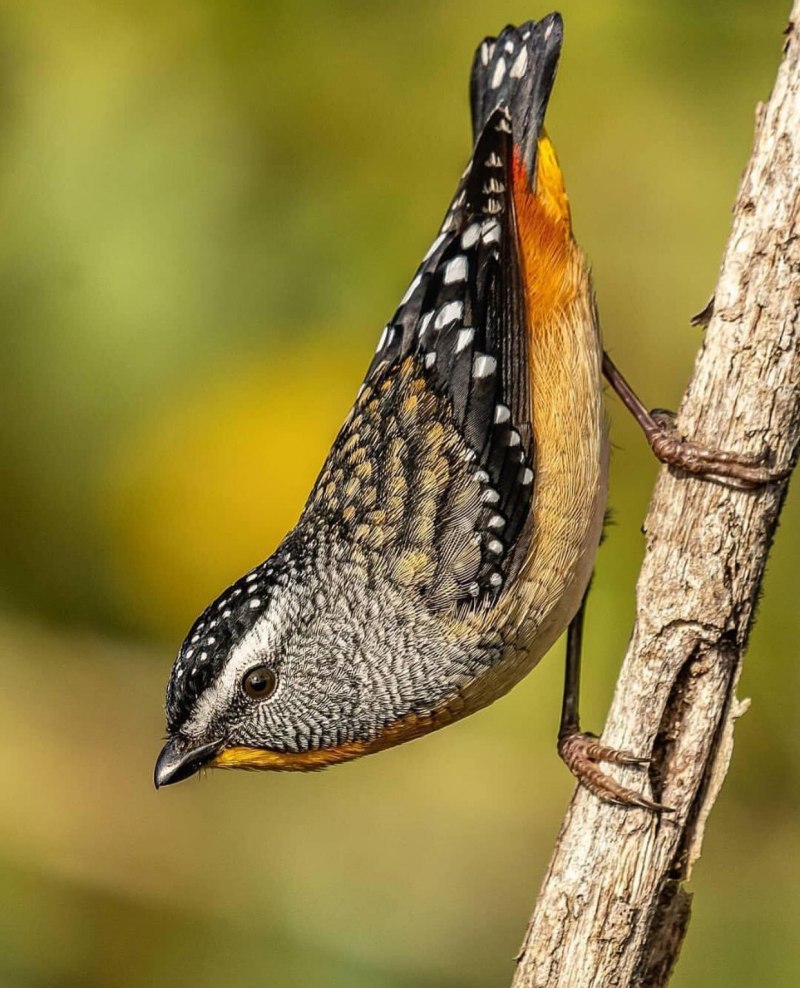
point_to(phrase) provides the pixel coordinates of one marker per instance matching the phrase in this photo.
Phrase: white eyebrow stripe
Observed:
(254, 647)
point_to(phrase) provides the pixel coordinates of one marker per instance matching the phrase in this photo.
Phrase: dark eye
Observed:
(259, 683)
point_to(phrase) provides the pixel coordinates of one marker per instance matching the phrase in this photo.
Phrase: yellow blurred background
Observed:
(209, 210)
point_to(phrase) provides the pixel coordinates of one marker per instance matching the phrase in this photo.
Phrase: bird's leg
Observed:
(683, 453)
(582, 752)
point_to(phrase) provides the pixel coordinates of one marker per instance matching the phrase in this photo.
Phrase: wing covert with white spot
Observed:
(461, 325)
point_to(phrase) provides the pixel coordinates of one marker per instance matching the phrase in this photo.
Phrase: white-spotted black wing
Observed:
(463, 320)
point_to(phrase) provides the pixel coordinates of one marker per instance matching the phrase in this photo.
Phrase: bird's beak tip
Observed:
(180, 758)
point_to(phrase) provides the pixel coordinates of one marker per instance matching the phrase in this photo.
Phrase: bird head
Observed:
(256, 682)
(295, 667)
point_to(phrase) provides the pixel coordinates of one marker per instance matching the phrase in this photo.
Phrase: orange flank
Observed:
(545, 234)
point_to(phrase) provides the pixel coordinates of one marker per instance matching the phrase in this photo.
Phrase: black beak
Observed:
(181, 758)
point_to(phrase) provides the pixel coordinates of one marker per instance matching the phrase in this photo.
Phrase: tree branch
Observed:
(612, 909)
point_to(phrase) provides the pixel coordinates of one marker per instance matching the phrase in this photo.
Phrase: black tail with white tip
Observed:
(516, 71)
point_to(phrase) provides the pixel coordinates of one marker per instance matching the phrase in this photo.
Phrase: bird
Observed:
(451, 535)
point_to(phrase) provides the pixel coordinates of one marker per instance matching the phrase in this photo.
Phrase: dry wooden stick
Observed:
(612, 910)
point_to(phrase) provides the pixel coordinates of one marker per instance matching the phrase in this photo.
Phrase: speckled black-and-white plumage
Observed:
(223, 623)
(462, 323)
(377, 608)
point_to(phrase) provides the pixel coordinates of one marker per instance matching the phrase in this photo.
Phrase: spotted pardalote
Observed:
(451, 535)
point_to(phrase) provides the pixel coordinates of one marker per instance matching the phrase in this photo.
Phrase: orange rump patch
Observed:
(545, 234)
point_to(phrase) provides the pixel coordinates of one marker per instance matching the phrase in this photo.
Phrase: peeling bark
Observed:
(612, 910)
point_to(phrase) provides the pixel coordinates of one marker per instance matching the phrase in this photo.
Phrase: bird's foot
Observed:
(672, 449)
(582, 753)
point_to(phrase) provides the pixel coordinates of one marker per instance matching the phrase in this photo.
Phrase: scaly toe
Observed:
(581, 754)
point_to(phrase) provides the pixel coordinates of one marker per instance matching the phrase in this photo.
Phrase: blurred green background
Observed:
(209, 210)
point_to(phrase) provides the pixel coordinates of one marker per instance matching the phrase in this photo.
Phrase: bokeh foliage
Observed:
(209, 209)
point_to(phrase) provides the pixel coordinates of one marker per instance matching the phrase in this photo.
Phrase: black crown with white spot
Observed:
(223, 623)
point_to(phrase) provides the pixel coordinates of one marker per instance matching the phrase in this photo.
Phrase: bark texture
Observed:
(612, 910)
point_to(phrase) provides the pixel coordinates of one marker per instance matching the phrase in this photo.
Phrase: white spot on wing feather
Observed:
(520, 64)
(470, 236)
(437, 243)
(464, 339)
(411, 289)
(499, 73)
(483, 365)
(424, 323)
(490, 232)
(451, 312)
(456, 270)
